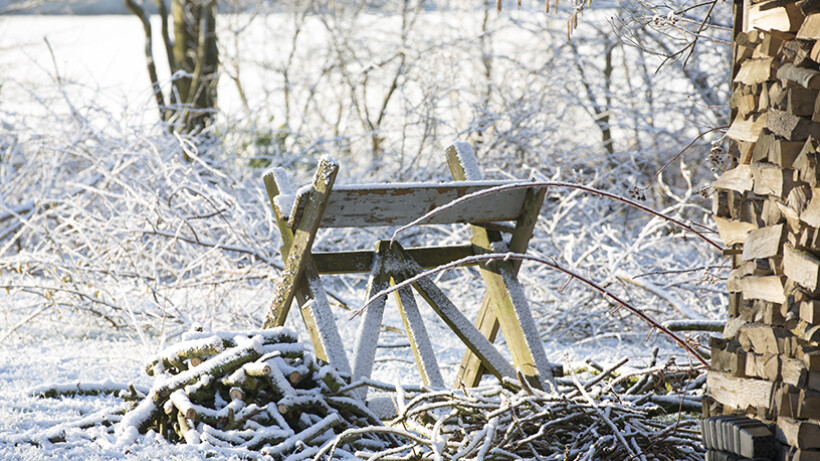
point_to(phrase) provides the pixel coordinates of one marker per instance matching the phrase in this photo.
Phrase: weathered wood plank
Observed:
(301, 277)
(301, 242)
(398, 204)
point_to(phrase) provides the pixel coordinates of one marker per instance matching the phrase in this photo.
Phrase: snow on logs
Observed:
(767, 211)
(257, 391)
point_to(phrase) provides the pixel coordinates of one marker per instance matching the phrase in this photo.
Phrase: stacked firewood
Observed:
(767, 210)
(250, 392)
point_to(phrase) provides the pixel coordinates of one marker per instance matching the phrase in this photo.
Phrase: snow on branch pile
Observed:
(260, 395)
(257, 394)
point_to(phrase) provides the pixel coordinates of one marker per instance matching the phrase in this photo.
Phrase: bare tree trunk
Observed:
(193, 58)
(197, 55)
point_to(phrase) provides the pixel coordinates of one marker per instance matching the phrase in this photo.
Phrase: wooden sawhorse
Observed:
(300, 214)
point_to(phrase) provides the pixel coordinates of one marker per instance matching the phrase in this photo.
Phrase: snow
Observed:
(284, 203)
(129, 246)
(467, 160)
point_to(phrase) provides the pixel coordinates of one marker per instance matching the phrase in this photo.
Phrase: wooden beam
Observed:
(463, 167)
(351, 262)
(300, 278)
(416, 333)
(367, 335)
(301, 242)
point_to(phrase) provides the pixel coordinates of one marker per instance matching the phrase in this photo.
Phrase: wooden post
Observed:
(301, 276)
(512, 314)
(471, 368)
(367, 336)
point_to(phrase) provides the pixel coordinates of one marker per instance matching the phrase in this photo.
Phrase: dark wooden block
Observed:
(756, 441)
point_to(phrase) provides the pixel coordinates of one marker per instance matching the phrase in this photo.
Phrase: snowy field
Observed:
(112, 246)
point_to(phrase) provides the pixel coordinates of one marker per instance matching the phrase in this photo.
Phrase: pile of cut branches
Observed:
(625, 418)
(261, 395)
(495, 423)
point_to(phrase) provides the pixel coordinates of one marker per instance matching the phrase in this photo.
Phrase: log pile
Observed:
(257, 392)
(767, 210)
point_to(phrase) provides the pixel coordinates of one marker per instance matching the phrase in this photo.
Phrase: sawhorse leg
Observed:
(300, 277)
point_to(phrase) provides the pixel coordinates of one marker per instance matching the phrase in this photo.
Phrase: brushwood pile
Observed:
(262, 395)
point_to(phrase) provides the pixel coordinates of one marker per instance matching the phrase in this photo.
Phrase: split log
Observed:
(810, 355)
(808, 332)
(732, 231)
(802, 77)
(739, 392)
(755, 71)
(766, 366)
(810, 29)
(745, 102)
(810, 312)
(809, 404)
(802, 267)
(770, 179)
(738, 179)
(788, 401)
(811, 215)
(772, 215)
(791, 127)
(799, 434)
(747, 129)
(793, 372)
(801, 101)
(763, 243)
(777, 150)
(769, 46)
(774, 16)
(798, 53)
(806, 163)
(761, 338)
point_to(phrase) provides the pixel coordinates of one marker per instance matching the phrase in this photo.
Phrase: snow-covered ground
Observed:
(127, 245)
